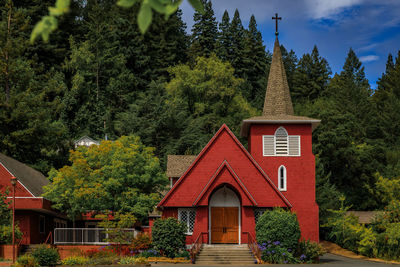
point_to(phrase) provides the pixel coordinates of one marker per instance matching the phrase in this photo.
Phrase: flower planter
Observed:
(6, 252)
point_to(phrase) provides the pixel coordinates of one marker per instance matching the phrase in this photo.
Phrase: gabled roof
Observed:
(223, 128)
(86, 139)
(178, 164)
(278, 107)
(30, 178)
(225, 165)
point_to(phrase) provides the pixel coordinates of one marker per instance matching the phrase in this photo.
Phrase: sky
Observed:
(370, 28)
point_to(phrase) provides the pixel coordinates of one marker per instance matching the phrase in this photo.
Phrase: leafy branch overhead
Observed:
(49, 23)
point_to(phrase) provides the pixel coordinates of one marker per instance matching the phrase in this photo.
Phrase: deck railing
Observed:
(85, 236)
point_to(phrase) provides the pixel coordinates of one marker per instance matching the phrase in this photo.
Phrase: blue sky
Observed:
(371, 28)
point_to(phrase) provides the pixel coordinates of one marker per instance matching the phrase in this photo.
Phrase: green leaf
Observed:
(172, 8)
(126, 3)
(158, 6)
(61, 7)
(144, 17)
(196, 4)
(43, 28)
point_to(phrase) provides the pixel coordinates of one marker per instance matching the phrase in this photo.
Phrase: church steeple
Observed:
(277, 97)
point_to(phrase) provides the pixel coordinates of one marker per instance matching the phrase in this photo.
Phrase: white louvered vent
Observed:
(294, 145)
(268, 144)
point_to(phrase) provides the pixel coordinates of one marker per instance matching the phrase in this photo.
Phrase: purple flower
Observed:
(269, 245)
(268, 252)
(273, 251)
(289, 250)
(302, 257)
(269, 242)
(264, 244)
(276, 243)
(285, 262)
(283, 254)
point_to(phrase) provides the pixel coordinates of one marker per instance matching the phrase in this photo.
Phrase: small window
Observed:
(282, 178)
(188, 217)
(258, 212)
(42, 221)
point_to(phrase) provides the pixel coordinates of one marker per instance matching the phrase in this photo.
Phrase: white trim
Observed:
(274, 145)
(284, 188)
(17, 180)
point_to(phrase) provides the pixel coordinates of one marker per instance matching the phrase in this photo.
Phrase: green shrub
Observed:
(309, 251)
(75, 260)
(183, 254)
(141, 242)
(367, 244)
(27, 260)
(168, 236)
(141, 260)
(149, 253)
(103, 260)
(46, 256)
(278, 225)
(6, 234)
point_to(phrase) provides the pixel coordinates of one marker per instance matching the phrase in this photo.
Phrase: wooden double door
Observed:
(225, 225)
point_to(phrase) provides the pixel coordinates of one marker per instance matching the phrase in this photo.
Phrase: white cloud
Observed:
(369, 58)
(320, 9)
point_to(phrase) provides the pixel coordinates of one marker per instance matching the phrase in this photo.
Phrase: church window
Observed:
(282, 178)
(188, 217)
(258, 212)
(281, 144)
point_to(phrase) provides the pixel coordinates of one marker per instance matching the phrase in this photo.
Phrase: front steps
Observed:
(225, 254)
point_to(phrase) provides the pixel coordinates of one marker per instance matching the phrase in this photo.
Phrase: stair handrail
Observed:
(196, 247)
(49, 236)
(253, 246)
(20, 241)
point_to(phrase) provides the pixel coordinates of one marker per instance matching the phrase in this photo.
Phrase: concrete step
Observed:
(225, 262)
(225, 258)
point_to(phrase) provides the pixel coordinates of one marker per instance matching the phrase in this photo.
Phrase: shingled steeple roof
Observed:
(277, 97)
(278, 107)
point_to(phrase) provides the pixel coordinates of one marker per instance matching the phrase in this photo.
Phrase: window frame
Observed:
(187, 210)
(280, 187)
(274, 144)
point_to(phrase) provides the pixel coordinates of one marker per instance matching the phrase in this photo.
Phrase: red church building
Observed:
(221, 192)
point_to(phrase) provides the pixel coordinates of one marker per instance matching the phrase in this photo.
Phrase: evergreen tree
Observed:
(290, 62)
(224, 41)
(311, 77)
(236, 58)
(255, 64)
(204, 32)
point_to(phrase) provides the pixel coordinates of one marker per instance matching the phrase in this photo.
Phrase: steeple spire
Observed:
(277, 97)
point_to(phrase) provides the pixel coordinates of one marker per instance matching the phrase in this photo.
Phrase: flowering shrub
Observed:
(273, 252)
(141, 242)
(26, 261)
(46, 256)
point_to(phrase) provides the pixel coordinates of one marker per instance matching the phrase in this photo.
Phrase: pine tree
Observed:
(290, 62)
(224, 40)
(204, 32)
(311, 77)
(237, 33)
(255, 64)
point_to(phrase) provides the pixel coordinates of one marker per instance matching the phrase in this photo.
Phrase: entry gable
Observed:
(224, 146)
(202, 199)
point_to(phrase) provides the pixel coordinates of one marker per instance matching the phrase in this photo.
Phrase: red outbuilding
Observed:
(221, 192)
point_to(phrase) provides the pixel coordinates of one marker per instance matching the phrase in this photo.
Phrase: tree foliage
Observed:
(119, 176)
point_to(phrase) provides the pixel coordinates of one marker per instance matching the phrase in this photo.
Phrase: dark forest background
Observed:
(99, 76)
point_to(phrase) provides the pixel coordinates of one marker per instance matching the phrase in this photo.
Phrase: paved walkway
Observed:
(327, 259)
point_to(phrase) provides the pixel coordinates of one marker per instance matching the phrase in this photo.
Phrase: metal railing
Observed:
(253, 246)
(86, 236)
(196, 247)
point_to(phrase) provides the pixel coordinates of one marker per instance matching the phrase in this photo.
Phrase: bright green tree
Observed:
(120, 176)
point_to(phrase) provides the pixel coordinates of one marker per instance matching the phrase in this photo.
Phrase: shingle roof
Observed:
(32, 179)
(278, 107)
(364, 216)
(277, 97)
(178, 164)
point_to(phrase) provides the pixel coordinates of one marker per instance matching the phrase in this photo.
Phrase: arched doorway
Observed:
(224, 217)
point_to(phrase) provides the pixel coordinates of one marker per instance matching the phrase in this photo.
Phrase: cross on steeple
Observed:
(276, 18)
